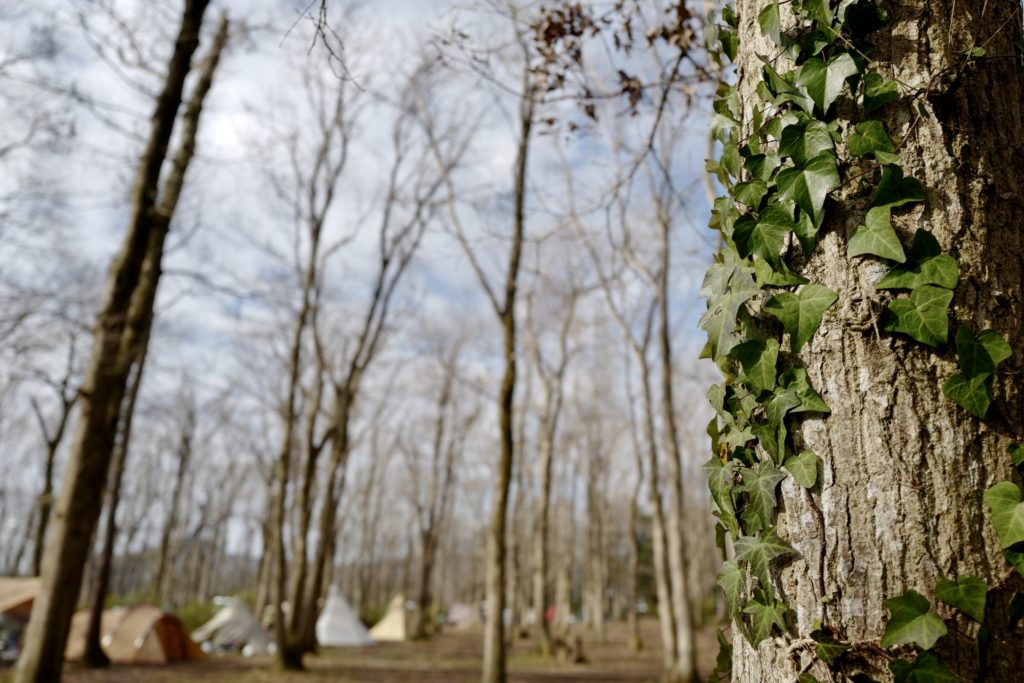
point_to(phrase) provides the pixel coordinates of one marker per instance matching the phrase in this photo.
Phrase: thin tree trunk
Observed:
(94, 656)
(162, 581)
(542, 632)
(494, 670)
(900, 503)
(636, 642)
(125, 315)
(685, 668)
(53, 441)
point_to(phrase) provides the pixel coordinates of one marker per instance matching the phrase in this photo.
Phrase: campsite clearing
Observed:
(450, 657)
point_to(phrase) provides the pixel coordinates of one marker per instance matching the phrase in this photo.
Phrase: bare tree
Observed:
(432, 499)
(405, 211)
(186, 430)
(552, 372)
(122, 327)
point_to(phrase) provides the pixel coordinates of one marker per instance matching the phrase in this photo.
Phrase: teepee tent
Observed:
(394, 624)
(338, 625)
(234, 627)
(140, 634)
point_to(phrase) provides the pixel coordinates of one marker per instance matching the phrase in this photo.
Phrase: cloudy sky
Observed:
(230, 281)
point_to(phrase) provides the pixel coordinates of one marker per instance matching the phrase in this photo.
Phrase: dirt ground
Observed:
(451, 657)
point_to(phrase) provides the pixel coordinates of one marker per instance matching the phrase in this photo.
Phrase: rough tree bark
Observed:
(900, 505)
(123, 318)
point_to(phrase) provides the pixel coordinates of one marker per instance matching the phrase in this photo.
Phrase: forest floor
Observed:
(450, 657)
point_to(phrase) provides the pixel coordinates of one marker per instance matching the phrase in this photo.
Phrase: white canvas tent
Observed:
(338, 625)
(393, 626)
(233, 627)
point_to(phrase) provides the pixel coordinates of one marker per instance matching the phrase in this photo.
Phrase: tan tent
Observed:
(393, 626)
(140, 634)
(17, 593)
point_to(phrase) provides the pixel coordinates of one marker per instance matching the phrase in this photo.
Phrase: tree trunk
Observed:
(494, 629)
(685, 668)
(125, 313)
(900, 505)
(161, 584)
(94, 656)
(636, 642)
(542, 632)
(53, 441)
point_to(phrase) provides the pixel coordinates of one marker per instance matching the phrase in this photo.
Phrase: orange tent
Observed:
(140, 634)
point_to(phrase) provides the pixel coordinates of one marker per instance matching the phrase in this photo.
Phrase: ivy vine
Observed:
(781, 167)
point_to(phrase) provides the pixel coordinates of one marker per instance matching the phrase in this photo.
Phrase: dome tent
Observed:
(140, 634)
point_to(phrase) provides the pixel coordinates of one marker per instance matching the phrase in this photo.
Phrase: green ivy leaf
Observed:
(766, 276)
(871, 138)
(929, 266)
(877, 237)
(808, 400)
(761, 552)
(761, 166)
(758, 359)
(729, 42)
(801, 313)
(923, 316)
(804, 468)
(824, 81)
(1003, 500)
(804, 141)
(895, 190)
(973, 394)
(979, 356)
(767, 613)
(771, 26)
(1016, 452)
(924, 246)
(925, 669)
(784, 91)
(808, 184)
(1015, 559)
(827, 648)
(751, 192)
(878, 92)
(730, 580)
(967, 594)
(727, 286)
(760, 485)
(806, 232)
(912, 621)
(721, 481)
(767, 236)
(819, 11)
